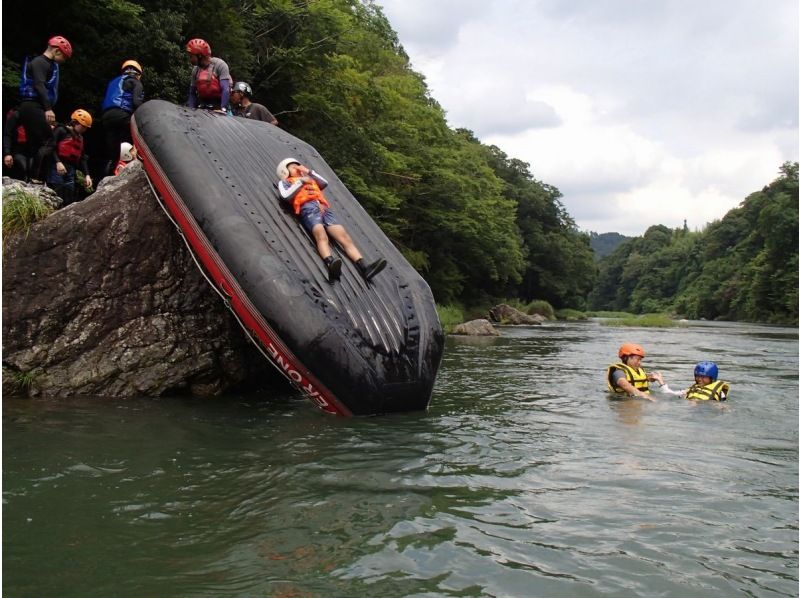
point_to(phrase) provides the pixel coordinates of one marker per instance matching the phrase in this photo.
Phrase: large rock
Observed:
(505, 314)
(103, 298)
(476, 328)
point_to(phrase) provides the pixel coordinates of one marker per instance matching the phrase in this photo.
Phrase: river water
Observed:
(523, 479)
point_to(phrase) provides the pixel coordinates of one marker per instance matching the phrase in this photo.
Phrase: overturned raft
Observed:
(354, 348)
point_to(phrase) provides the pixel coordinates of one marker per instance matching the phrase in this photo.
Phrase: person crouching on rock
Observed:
(65, 151)
(127, 154)
(301, 188)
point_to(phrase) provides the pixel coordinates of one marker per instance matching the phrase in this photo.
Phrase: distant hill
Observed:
(605, 243)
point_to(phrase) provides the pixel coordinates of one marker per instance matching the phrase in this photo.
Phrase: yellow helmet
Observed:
(82, 117)
(133, 65)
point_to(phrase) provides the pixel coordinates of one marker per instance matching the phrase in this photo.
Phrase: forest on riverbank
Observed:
(474, 221)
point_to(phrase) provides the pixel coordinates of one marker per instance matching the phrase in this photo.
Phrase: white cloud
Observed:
(657, 111)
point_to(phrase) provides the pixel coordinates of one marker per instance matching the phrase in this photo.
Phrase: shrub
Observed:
(21, 210)
(571, 315)
(450, 316)
(645, 321)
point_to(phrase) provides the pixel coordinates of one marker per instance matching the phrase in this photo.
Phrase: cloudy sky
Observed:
(641, 112)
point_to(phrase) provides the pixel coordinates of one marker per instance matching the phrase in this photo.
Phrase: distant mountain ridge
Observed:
(604, 244)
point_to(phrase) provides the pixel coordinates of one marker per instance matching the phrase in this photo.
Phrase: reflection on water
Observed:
(522, 479)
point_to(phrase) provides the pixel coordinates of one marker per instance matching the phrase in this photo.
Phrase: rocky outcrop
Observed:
(476, 328)
(505, 314)
(103, 298)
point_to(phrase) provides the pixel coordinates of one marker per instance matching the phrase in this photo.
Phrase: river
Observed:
(522, 479)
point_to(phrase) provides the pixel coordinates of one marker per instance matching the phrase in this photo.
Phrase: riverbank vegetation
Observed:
(742, 267)
(477, 223)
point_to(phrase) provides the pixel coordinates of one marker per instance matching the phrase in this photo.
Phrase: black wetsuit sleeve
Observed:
(84, 163)
(39, 70)
(136, 88)
(9, 131)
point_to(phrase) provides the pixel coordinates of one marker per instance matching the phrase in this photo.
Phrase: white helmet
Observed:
(283, 168)
(125, 152)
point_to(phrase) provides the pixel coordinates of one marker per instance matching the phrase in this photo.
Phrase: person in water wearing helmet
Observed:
(127, 154)
(706, 386)
(210, 84)
(301, 188)
(242, 106)
(65, 149)
(124, 94)
(628, 377)
(38, 91)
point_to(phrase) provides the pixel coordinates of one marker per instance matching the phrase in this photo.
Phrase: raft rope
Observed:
(227, 303)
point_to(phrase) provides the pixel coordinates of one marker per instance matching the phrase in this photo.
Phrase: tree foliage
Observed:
(742, 267)
(473, 221)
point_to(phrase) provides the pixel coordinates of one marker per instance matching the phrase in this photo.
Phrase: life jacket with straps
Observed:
(716, 391)
(120, 165)
(70, 149)
(637, 377)
(22, 136)
(208, 85)
(116, 96)
(308, 192)
(26, 89)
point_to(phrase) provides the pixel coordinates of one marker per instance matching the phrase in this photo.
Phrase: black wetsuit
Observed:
(117, 123)
(17, 148)
(31, 110)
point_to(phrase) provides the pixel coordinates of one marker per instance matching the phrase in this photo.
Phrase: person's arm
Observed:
(288, 191)
(318, 177)
(677, 393)
(40, 71)
(623, 383)
(192, 101)
(225, 86)
(9, 131)
(137, 91)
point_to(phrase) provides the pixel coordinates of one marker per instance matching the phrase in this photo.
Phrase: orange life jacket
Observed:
(308, 192)
(120, 165)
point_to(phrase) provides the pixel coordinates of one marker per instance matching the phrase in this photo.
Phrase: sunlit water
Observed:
(523, 479)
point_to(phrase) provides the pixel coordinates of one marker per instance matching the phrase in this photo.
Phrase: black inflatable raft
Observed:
(355, 348)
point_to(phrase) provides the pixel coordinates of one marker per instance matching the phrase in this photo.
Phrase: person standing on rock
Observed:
(66, 155)
(38, 91)
(210, 84)
(124, 94)
(242, 106)
(17, 157)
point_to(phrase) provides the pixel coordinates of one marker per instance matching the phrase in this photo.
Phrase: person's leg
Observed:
(311, 218)
(342, 237)
(112, 129)
(31, 116)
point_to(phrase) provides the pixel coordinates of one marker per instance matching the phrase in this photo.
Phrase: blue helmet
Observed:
(707, 368)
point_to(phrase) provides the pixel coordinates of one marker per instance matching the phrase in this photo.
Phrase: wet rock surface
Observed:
(103, 298)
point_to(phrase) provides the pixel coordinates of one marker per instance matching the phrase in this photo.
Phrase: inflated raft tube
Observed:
(353, 347)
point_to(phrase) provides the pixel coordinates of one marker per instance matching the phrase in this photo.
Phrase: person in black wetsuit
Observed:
(38, 90)
(124, 94)
(17, 157)
(65, 153)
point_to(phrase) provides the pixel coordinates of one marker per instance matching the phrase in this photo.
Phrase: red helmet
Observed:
(198, 46)
(62, 43)
(630, 349)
